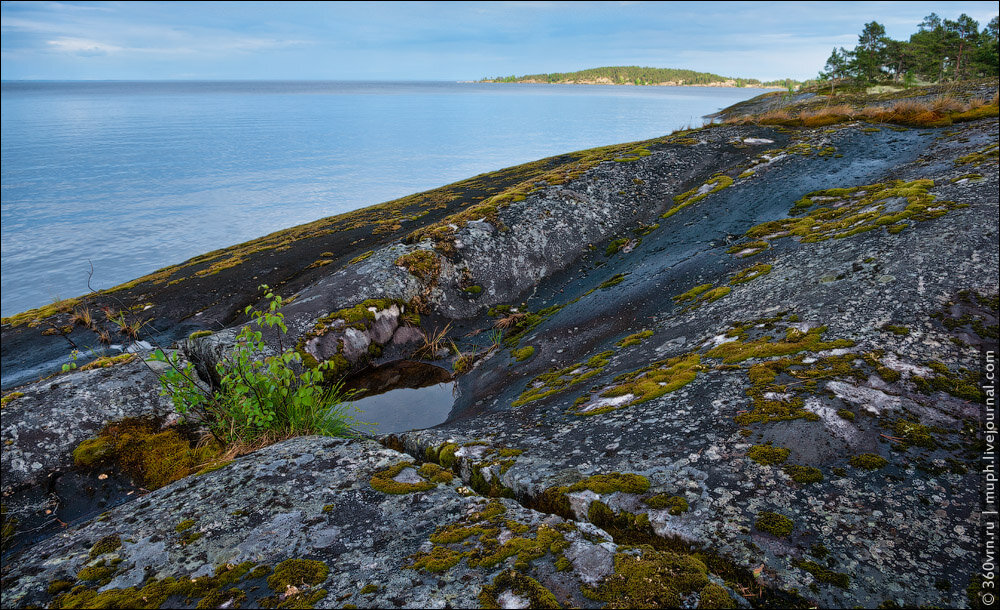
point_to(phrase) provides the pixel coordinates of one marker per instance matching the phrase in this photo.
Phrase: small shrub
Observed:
(258, 396)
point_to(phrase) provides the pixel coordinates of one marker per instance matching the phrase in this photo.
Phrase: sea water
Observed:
(123, 178)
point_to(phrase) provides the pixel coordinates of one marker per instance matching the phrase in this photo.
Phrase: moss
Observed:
(198, 334)
(749, 248)
(361, 257)
(231, 598)
(108, 544)
(793, 343)
(434, 473)
(819, 550)
(99, 572)
(896, 329)
(822, 574)
(962, 383)
(697, 194)
(506, 452)
(616, 279)
(383, 481)
(775, 524)
(750, 274)
(106, 361)
(635, 338)
(553, 382)
(523, 353)
(914, 434)
(984, 155)
(803, 474)
(368, 589)
(519, 584)
(650, 382)
(714, 596)
(475, 289)
(613, 482)
(58, 586)
(616, 246)
(768, 455)
(213, 467)
(137, 447)
(868, 461)
(10, 397)
(463, 364)
(855, 210)
(676, 504)
(446, 456)
(296, 573)
(647, 578)
(525, 549)
(692, 294)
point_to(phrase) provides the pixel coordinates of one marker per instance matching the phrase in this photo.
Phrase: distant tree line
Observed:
(635, 75)
(941, 50)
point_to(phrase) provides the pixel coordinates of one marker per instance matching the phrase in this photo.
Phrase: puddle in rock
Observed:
(403, 395)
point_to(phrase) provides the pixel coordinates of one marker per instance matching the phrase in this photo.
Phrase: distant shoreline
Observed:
(723, 84)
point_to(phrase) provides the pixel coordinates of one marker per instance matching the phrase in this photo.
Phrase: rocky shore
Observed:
(735, 366)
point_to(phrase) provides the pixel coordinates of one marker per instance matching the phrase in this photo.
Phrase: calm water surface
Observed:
(132, 177)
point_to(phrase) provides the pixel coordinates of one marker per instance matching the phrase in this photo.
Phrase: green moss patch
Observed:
(9, 398)
(647, 578)
(616, 279)
(896, 329)
(795, 341)
(635, 338)
(214, 591)
(676, 504)
(988, 154)
(714, 185)
(775, 524)
(554, 382)
(750, 274)
(361, 257)
(523, 353)
(647, 383)
(297, 573)
(518, 584)
(699, 295)
(824, 575)
(803, 474)
(108, 544)
(423, 264)
(868, 461)
(383, 480)
(139, 449)
(476, 539)
(768, 455)
(616, 246)
(962, 383)
(846, 212)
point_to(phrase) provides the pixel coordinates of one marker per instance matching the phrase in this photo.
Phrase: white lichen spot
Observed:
(600, 403)
(509, 599)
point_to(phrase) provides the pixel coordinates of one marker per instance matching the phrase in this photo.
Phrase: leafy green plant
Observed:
(259, 397)
(71, 365)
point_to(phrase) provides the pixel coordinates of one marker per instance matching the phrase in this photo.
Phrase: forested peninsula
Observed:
(635, 75)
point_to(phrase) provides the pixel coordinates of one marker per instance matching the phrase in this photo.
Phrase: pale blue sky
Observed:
(437, 41)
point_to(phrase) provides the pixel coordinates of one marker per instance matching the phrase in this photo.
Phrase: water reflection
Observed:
(403, 395)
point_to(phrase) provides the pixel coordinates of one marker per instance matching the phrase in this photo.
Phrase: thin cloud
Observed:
(82, 47)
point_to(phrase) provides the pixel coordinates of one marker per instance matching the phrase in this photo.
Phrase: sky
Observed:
(436, 40)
